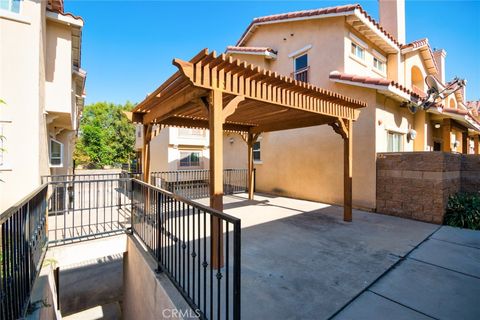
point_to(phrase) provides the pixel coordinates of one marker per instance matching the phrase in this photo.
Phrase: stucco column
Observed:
(465, 142)
(446, 128)
(475, 144)
(419, 125)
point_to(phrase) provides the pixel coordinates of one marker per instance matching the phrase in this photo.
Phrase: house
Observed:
(345, 50)
(42, 84)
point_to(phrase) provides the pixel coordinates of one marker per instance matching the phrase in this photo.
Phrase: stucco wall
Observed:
(147, 295)
(235, 154)
(308, 163)
(58, 94)
(20, 87)
(417, 185)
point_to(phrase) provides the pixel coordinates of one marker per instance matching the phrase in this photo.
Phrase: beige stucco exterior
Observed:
(308, 163)
(41, 95)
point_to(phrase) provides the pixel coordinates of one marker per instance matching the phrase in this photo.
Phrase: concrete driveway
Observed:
(438, 280)
(301, 261)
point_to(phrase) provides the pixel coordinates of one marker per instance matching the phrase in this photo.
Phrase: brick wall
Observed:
(416, 185)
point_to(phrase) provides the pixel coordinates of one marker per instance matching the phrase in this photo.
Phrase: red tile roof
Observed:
(474, 106)
(251, 49)
(457, 111)
(372, 81)
(316, 13)
(419, 44)
(416, 44)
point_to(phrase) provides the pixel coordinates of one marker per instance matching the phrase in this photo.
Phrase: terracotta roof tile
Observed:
(419, 44)
(314, 13)
(416, 44)
(474, 105)
(457, 111)
(372, 81)
(251, 49)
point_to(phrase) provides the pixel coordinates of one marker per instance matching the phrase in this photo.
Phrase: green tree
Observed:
(106, 137)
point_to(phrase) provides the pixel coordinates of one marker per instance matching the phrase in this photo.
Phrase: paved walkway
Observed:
(440, 279)
(300, 260)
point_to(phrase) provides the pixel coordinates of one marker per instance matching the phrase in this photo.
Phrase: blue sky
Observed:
(128, 46)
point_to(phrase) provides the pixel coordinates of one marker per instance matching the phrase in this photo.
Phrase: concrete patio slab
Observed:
(438, 292)
(300, 260)
(449, 255)
(459, 236)
(374, 307)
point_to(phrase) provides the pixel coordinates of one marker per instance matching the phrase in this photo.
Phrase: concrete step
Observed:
(111, 311)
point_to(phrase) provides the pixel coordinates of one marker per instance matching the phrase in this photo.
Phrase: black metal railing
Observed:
(81, 208)
(23, 245)
(195, 184)
(185, 238)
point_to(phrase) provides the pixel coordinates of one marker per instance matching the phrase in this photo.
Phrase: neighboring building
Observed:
(42, 84)
(175, 148)
(343, 49)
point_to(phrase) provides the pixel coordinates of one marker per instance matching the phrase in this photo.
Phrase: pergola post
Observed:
(347, 172)
(215, 122)
(250, 142)
(147, 130)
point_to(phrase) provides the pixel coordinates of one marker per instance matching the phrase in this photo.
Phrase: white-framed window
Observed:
(394, 141)
(357, 51)
(256, 152)
(300, 65)
(190, 159)
(56, 153)
(10, 5)
(379, 64)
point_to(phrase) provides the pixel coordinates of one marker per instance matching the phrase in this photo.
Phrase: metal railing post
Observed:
(237, 270)
(159, 233)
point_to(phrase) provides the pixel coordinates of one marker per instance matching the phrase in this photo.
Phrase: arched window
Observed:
(418, 82)
(452, 104)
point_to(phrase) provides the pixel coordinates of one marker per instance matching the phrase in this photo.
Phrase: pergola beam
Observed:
(291, 124)
(202, 124)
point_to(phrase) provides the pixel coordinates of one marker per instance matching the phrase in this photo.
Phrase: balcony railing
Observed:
(23, 245)
(197, 247)
(178, 233)
(195, 184)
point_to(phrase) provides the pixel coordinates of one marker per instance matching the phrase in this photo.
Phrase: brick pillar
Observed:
(475, 144)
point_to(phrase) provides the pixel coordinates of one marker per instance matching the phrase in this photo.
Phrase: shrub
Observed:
(463, 210)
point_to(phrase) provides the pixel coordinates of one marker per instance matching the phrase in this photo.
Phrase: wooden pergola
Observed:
(222, 94)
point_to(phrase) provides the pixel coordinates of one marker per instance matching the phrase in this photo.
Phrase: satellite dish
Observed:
(433, 85)
(412, 107)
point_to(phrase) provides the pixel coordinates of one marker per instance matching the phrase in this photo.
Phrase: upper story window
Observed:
(56, 153)
(394, 141)
(189, 159)
(301, 68)
(358, 51)
(417, 80)
(10, 5)
(379, 64)
(256, 151)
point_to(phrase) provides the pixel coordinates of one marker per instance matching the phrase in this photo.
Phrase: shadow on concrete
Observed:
(91, 283)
